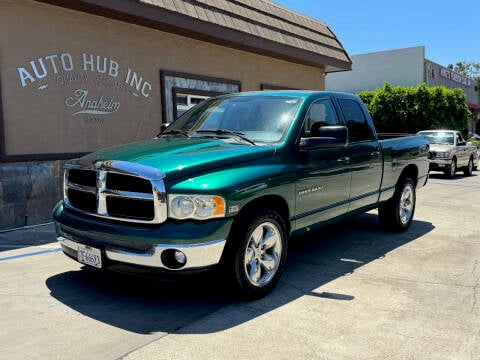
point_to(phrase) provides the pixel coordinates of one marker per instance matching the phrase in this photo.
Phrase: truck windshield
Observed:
(251, 118)
(437, 137)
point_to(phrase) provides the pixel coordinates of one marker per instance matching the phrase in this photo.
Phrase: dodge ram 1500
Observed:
(231, 180)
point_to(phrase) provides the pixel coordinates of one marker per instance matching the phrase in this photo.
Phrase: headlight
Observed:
(198, 207)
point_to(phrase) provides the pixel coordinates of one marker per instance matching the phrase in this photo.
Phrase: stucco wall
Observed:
(48, 53)
(402, 67)
(73, 82)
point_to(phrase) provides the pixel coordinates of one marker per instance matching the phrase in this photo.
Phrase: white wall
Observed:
(402, 67)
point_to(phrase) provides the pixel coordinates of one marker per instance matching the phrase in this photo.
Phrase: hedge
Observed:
(409, 109)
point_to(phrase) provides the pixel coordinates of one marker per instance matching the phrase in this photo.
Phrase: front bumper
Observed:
(439, 164)
(202, 243)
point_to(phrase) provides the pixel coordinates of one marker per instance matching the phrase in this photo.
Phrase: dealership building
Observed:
(77, 76)
(404, 67)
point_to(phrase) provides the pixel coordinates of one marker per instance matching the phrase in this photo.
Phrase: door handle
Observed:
(375, 154)
(344, 159)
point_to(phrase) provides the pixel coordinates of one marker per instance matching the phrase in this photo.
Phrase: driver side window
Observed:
(321, 113)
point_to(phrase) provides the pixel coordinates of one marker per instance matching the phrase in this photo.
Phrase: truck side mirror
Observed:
(163, 126)
(326, 137)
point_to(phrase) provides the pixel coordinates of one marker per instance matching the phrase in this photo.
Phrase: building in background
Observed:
(404, 67)
(81, 75)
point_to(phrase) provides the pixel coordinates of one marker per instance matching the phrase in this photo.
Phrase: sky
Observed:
(449, 31)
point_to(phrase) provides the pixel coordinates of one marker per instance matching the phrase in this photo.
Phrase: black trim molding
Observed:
(40, 157)
(275, 87)
(2, 128)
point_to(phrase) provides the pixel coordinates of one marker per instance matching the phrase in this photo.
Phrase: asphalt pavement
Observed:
(349, 291)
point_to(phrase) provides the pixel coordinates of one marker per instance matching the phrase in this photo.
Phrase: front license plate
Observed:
(90, 256)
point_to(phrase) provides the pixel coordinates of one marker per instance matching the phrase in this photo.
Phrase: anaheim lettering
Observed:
(98, 106)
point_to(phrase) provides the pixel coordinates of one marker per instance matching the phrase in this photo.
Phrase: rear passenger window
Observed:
(358, 128)
(321, 113)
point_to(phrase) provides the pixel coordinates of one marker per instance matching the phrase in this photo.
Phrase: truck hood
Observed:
(180, 157)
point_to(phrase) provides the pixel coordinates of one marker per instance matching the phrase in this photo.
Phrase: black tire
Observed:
(451, 170)
(468, 170)
(255, 254)
(397, 213)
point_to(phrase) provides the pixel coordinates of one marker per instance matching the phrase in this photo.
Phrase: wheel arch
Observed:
(273, 202)
(411, 171)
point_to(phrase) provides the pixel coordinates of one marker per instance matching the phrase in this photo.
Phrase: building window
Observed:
(185, 99)
(198, 87)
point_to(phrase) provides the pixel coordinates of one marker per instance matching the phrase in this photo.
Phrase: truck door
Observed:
(364, 154)
(323, 175)
(463, 155)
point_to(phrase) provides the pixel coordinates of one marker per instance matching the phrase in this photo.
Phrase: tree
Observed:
(467, 68)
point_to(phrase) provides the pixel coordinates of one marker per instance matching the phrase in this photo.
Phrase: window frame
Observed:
(365, 118)
(341, 121)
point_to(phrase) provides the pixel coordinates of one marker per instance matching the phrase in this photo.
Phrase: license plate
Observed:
(90, 256)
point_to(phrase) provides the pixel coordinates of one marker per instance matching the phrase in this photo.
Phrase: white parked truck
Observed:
(450, 152)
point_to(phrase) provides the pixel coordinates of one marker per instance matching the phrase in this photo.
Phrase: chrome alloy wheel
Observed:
(453, 168)
(263, 253)
(406, 204)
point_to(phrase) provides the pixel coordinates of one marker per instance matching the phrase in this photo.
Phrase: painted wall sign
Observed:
(452, 75)
(86, 105)
(54, 64)
(104, 73)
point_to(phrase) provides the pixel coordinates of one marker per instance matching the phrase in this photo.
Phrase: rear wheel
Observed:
(255, 254)
(452, 169)
(468, 171)
(397, 213)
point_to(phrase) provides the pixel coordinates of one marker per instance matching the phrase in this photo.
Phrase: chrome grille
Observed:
(116, 190)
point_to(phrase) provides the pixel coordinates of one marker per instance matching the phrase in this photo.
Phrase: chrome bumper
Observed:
(198, 255)
(440, 162)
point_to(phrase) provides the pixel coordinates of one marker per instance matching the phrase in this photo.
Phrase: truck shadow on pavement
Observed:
(458, 176)
(146, 306)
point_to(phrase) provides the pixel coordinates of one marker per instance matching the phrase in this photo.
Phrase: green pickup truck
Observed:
(230, 181)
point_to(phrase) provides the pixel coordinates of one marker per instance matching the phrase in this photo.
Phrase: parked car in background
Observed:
(449, 152)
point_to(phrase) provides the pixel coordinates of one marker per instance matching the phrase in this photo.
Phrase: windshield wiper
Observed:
(174, 131)
(228, 132)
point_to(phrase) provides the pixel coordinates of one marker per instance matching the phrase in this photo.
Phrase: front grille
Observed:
(132, 208)
(82, 200)
(83, 177)
(128, 183)
(115, 195)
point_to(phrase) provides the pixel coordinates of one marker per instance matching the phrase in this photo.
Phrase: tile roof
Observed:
(264, 19)
(259, 26)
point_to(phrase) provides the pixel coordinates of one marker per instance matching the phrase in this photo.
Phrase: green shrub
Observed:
(475, 142)
(409, 109)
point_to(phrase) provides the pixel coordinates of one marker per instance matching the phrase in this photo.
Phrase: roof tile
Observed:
(264, 19)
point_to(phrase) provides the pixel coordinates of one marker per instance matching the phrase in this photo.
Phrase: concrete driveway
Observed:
(350, 291)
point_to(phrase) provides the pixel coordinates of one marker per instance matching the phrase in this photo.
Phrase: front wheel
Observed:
(256, 253)
(397, 213)
(451, 170)
(468, 171)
